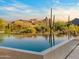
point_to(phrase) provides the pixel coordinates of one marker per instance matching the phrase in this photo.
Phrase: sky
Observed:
(28, 9)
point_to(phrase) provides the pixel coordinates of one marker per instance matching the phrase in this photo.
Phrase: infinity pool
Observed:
(34, 43)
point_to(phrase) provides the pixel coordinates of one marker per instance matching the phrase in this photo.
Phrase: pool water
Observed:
(37, 43)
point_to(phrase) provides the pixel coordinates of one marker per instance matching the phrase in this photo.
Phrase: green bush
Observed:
(60, 26)
(28, 30)
(41, 28)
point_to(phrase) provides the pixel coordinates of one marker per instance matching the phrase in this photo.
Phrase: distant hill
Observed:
(75, 21)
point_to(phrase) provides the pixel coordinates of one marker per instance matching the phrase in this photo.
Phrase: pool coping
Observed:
(39, 53)
(55, 47)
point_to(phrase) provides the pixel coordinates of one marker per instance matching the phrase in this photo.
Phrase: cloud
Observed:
(21, 10)
(63, 13)
(17, 7)
(77, 4)
(57, 1)
(25, 11)
(10, 8)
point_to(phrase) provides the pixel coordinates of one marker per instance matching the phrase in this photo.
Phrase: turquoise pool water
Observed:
(37, 43)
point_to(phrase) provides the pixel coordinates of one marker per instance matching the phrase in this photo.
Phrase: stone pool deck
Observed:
(9, 54)
(74, 54)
